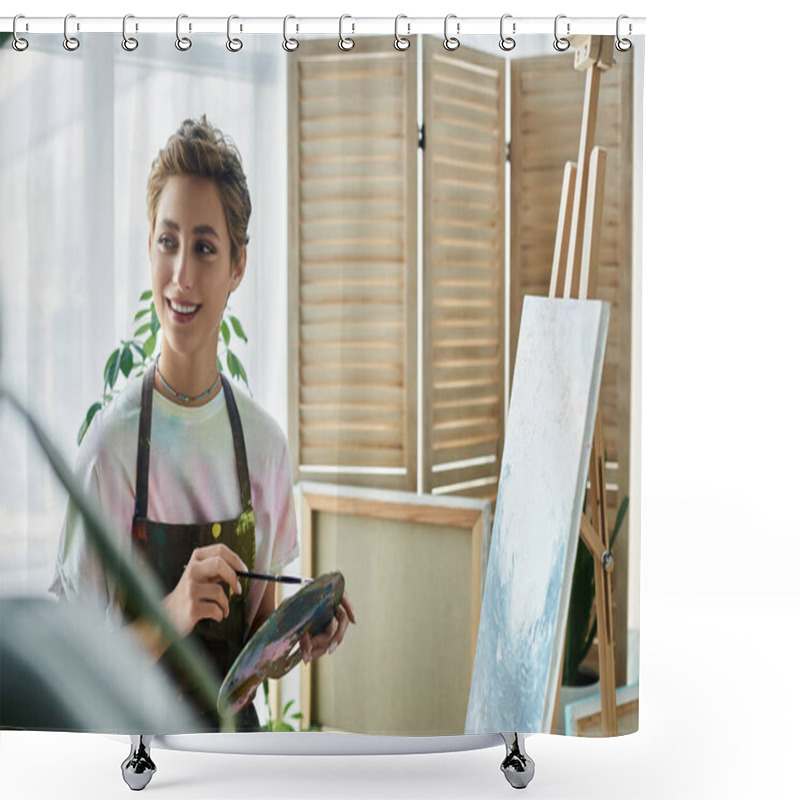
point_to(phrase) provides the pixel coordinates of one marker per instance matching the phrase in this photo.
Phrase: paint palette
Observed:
(274, 648)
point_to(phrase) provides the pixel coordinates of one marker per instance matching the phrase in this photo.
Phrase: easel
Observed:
(578, 242)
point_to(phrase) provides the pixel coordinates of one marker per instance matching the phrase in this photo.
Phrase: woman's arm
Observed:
(150, 637)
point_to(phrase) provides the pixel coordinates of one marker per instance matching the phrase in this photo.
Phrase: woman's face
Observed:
(190, 263)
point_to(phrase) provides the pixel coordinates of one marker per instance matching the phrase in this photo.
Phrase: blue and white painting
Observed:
(540, 497)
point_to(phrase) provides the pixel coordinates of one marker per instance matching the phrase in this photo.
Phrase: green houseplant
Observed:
(281, 723)
(581, 620)
(135, 355)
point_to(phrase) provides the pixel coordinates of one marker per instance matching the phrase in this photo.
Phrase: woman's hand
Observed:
(327, 641)
(200, 593)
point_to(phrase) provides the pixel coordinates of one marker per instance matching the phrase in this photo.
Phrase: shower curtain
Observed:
(396, 331)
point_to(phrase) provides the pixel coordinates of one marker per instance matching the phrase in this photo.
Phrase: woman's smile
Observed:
(182, 312)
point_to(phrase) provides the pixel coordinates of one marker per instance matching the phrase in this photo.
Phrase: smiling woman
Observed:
(194, 475)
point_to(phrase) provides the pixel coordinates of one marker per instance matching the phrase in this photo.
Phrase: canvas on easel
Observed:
(537, 519)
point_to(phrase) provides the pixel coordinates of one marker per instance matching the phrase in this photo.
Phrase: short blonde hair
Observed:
(198, 148)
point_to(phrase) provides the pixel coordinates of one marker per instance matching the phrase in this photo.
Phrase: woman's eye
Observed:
(205, 249)
(165, 241)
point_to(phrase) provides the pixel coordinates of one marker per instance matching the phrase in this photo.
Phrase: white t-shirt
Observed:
(192, 479)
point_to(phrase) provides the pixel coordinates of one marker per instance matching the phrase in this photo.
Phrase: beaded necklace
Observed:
(185, 398)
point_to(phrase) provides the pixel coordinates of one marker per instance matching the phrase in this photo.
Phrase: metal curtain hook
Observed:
(344, 42)
(507, 42)
(128, 42)
(70, 42)
(400, 42)
(451, 42)
(234, 45)
(561, 44)
(19, 44)
(289, 45)
(181, 42)
(620, 43)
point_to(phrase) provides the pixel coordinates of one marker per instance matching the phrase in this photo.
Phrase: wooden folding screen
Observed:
(353, 263)
(353, 271)
(546, 106)
(463, 376)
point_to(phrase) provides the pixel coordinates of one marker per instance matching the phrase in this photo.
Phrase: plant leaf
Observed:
(93, 409)
(107, 368)
(236, 367)
(113, 369)
(150, 345)
(141, 330)
(226, 332)
(233, 364)
(237, 328)
(140, 314)
(621, 511)
(146, 295)
(219, 365)
(126, 361)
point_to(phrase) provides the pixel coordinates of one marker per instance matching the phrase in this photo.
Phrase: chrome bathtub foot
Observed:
(138, 768)
(517, 766)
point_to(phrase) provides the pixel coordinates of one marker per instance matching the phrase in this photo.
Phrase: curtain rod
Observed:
(407, 26)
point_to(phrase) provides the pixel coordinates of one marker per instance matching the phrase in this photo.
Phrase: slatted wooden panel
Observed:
(546, 106)
(352, 263)
(464, 286)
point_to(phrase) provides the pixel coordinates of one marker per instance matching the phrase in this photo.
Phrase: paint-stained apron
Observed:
(168, 548)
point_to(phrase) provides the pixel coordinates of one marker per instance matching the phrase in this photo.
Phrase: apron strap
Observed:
(238, 444)
(143, 455)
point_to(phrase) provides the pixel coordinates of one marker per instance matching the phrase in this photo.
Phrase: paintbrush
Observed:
(276, 578)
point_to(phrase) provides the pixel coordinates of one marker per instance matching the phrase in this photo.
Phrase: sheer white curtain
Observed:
(78, 132)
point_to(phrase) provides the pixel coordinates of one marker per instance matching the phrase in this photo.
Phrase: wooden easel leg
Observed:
(554, 723)
(559, 268)
(589, 266)
(588, 125)
(602, 580)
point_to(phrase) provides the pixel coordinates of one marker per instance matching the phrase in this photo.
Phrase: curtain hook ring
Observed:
(451, 42)
(622, 44)
(400, 42)
(561, 44)
(181, 42)
(289, 45)
(19, 44)
(507, 42)
(70, 42)
(128, 42)
(344, 42)
(234, 45)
